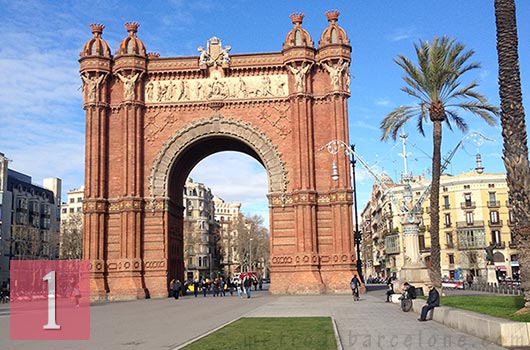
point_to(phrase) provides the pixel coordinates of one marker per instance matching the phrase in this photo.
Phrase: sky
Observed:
(42, 120)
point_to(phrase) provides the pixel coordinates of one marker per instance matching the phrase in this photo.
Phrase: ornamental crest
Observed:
(214, 54)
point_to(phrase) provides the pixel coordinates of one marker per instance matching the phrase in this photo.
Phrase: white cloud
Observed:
(400, 34)
(382, 101)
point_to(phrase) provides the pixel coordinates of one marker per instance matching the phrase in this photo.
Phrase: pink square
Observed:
(50, 300)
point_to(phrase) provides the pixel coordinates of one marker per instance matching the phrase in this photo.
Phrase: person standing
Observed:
(469, 279)
(432, 301)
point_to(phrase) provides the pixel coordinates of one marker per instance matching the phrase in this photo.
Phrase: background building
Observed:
(227, 215)
(73, 204)
(29, 217)
(475, 212)
(201, 232)
(71, 236)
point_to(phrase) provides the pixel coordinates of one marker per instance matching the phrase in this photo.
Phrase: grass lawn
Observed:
(271, 333)
(499, 306)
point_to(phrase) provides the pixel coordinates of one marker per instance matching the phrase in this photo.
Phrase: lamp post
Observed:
(333, 147)
(250, 255)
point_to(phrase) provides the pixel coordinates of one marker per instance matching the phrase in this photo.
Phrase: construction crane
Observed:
(406, 209)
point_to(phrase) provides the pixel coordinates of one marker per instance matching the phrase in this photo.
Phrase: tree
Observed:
(25, 242)
(435, 83)
(259, 248)
(71, 242)
(514, 134)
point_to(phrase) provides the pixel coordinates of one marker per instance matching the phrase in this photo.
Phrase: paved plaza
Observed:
(167, 323)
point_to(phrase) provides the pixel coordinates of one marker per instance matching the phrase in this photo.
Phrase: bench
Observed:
(497, 330)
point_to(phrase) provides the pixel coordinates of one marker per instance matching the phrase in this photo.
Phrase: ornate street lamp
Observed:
(333, 147)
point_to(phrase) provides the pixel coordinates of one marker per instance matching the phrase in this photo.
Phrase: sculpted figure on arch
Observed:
(335, 72)
(91, 85)
(128, 85)
(299, 75)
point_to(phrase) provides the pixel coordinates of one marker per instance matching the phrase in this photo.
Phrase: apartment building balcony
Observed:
(499, 245)
(511, 223)
(468, 205)
(392, 244)
(446, 206)
(497, 223)
(465, 224)
(512, 245)
(509, 204)
(494, 204)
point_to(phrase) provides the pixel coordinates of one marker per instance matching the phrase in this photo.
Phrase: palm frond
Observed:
(460, 123)
(391, 124)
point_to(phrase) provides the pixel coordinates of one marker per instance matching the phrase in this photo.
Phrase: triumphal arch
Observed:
(150, 120)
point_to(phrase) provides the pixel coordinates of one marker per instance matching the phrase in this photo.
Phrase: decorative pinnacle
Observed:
(132, 27)
(333, 15)
(297, 18)
(153, 54)
(97, 28)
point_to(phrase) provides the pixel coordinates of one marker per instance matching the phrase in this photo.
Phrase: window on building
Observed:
(190, 261)
(447, 218)
(446, 202)
(511, 217)
(78, 209)
(79, 199)
(496, 236)
(451, 258)
(72, 200)
(449, 239)
(65, 210)
(467, 198)
(494, 217)
(514, 257)
(71, 210)
(467, 187)
(469, 218)
(492, 197)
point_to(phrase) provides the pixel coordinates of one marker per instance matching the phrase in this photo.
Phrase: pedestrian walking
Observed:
(239, 288)
(354, 285)
(195, 287)
(390, 290)
(176, 289)
(247, 284)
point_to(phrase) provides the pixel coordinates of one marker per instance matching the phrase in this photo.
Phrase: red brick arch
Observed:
(150, 120)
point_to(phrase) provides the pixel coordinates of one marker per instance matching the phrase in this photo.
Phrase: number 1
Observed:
(50, 277)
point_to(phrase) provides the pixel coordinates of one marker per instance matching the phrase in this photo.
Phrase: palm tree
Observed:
(514, 134)
(435, 83)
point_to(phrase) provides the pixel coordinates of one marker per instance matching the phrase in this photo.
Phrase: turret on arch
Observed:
(151, 119)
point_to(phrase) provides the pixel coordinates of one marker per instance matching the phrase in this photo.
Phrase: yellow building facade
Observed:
(475, 212)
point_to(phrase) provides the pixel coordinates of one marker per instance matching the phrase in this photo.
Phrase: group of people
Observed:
(218, 287)
(409, 291)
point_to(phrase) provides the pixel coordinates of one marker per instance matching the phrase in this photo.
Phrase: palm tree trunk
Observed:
(435, 269)
(514, 134)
